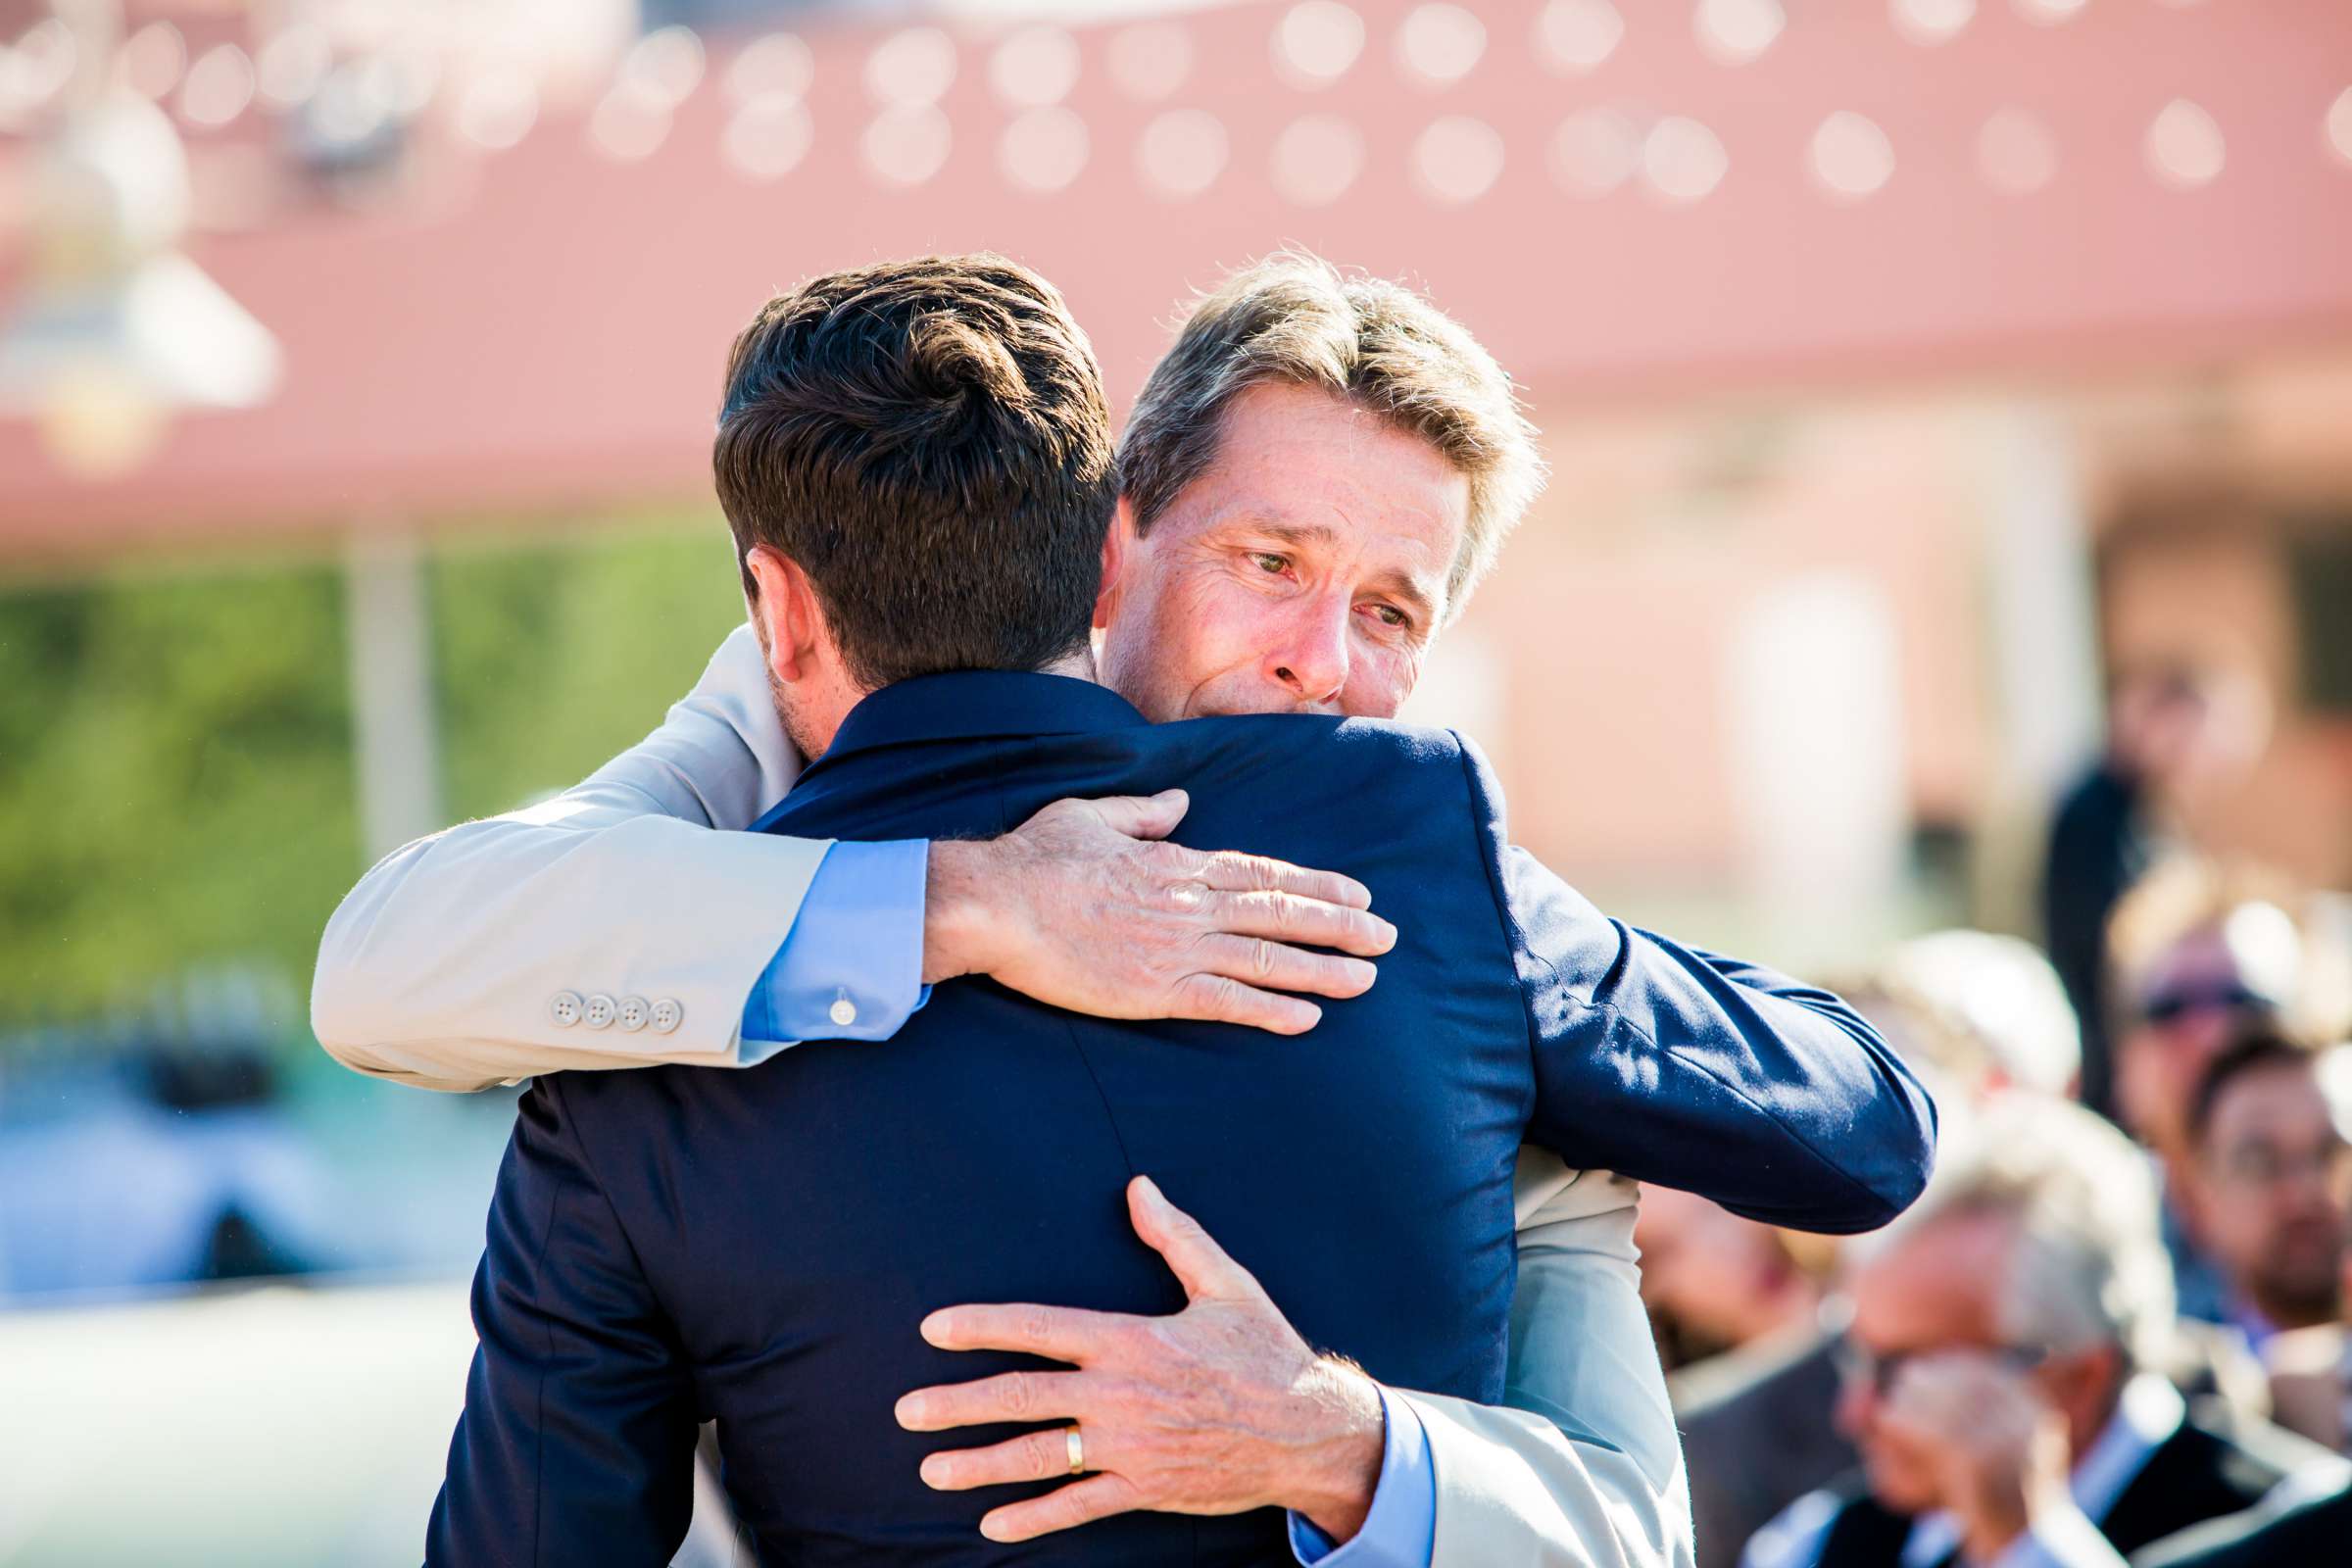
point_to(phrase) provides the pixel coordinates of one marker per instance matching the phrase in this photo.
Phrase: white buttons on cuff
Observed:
(844, 1011)
(667, 1015)
(564, 1007)
(598, 1011)
(634, 1011)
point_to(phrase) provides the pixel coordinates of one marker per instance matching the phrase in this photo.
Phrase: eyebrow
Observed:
(1396, 583)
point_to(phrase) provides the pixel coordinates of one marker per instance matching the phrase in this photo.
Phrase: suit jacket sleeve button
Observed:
(633, 1014)
(564, 1007)
(597, 1014)
(666, 1016)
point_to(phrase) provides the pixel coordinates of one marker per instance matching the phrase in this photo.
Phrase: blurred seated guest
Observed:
(2174, 729)
(1715, 1282)
(2273, 1182)
(2311, 1368)
(1995, 1373)
(2201, 952)
(1757, 1434)
(1971, 1014)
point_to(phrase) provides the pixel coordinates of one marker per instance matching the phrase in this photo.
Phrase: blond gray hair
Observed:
(2088, 1265)
(1296, 319)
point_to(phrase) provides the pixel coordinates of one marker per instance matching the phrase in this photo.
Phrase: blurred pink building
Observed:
(1859, 333)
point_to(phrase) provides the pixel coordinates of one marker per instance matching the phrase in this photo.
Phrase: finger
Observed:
(1010, 1396)
(1063, 1508)
(1312, 922)
(1221, 999)
(1192, 1255)
(1256, 961)
(1144, 816)
(1236, 872)
(1056, 1333)
(1031, 1456)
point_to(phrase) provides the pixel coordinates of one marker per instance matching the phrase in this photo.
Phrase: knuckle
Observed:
(1017, 1394)
(1036, 1325)
(1262, 959)
(1167, 860)
(1040, 1462)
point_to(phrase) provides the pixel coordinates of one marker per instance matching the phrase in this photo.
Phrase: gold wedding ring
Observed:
(1077, 1448)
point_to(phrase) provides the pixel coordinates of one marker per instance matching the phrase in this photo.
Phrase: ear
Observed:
(784, 614)
(1117, 540)
(2083, 1379)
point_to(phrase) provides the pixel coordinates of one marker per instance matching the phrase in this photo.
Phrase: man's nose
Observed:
(1311, 660)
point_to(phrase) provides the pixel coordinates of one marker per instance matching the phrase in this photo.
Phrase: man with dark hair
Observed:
(2200, 952)
(2273, 1184)
(758, 1247)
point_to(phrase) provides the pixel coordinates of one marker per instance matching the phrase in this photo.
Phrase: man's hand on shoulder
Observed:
(1083, 907)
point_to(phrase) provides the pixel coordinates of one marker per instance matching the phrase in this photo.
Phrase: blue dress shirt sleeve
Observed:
(1401, 1529)
(851, 967)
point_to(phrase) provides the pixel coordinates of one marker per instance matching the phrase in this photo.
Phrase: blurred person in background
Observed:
(1975, 1014)
(1716, 1283)
(2175, 730)
(1998, 1382)
(2272, 1117)
(2274, 1183)
(2200, 952)
(2311, 1369)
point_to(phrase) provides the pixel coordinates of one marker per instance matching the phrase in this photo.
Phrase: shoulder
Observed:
(1346, 752)
(2237, 1459)
(2260, 1536)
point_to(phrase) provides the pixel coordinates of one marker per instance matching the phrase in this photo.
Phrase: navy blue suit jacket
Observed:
(758, 1247)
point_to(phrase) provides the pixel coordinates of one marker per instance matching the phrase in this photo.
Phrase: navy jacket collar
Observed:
(965, 705)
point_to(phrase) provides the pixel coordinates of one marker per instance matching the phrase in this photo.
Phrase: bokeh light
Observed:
(1043, 150)
(1033, 67)
(1574, 36)
(1682, 161)
(1457, 159)
(1316, 43)
(1851, 157)
(1316, 158)
(1595, 151)
(1181, 153)
(2184, 145)
(1439, 44)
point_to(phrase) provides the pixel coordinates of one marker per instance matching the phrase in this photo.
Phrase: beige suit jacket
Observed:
(442, 968)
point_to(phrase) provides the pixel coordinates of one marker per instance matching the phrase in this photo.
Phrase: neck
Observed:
(1078, 664)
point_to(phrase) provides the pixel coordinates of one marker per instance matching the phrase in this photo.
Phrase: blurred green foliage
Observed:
(176, 784)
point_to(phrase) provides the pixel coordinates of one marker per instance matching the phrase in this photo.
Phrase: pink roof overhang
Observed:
(550, 331)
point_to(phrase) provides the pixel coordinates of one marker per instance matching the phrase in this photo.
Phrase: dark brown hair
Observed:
(928, 440)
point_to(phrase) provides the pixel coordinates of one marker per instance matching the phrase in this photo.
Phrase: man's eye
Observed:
(1391, 616)
(1266, 560)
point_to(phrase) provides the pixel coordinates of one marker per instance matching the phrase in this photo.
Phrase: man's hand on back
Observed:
(1080, 906)
(1218, 1409)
